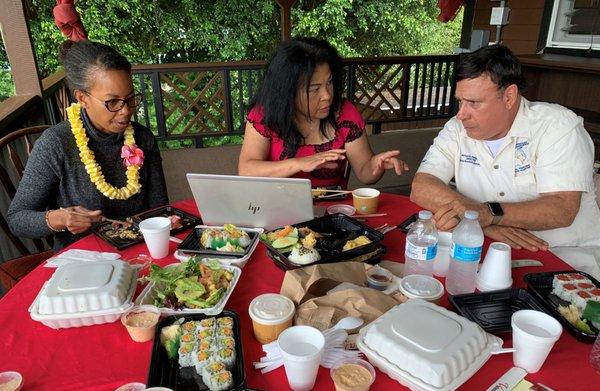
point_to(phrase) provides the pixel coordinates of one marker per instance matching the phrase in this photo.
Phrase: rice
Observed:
(220, 381)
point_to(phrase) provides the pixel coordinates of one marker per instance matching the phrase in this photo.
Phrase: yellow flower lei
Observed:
(93, 169)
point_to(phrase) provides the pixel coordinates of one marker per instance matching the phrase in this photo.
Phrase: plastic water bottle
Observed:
(421, 246)
(465, 252)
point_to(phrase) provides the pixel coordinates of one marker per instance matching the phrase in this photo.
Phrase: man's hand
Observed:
(516, 238)
(449, 215)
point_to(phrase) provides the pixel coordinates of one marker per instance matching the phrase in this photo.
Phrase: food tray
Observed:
(86, 315)
(187, 220)
(406, 224)
(446, 357)
(191, 244)
(331, 197)
(167, 373)
(147, 297)
(540, 285)
(335, 224)
(493, 310)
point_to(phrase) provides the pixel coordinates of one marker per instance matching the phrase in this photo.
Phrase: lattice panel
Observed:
(193, 102)
(378, 91)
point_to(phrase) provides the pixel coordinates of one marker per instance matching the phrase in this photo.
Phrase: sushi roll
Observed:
(188, 338)
(210, 370)
(303, 256)
(200, 360)
(206, 333)
(226, 342)
(224, 332)
(226, 356)
(561, 279)
(565, 291)
(205, 344)
(186, 354)
(586, 286)
(207, 323)
(580, 299)
(189, 327)
(220, 381)
(225, 321)
(595, 294)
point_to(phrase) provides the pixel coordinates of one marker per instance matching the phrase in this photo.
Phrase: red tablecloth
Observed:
(103, 357)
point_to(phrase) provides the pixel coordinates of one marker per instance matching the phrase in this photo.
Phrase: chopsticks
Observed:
(115, 221)
(356, 215)
(331, 191)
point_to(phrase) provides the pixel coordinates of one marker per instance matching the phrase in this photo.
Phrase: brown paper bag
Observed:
(308, 288)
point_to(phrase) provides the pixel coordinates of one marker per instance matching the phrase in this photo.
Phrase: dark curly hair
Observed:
(497, 61)
(291, 67)
(83, 58)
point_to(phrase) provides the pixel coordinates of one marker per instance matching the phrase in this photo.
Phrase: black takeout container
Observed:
(187, 221)
(540, 285)
(493, 310)
(191, 244)
(165, 372)
(334, 224)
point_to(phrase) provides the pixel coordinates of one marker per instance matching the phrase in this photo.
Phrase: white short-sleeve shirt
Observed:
(546, 150)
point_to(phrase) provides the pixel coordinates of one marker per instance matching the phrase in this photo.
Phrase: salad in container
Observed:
(196, 286)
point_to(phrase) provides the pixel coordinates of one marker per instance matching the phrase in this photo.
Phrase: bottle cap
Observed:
(425, 215)
(471, 214)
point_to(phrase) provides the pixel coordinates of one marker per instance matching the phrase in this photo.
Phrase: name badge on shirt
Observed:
(470, 159)
(522, 162)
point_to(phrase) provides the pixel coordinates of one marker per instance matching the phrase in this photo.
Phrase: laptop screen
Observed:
(251, 201)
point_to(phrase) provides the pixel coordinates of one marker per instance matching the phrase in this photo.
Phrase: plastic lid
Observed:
(471, 214)
(341, 208)
(271, 308)
(416, 286)
(11, 381)
(425, 215)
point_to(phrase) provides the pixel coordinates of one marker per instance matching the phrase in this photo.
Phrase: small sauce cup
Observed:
(353, 375)
(11, 381)
(141, 321)
(271, 313)
(379, 278)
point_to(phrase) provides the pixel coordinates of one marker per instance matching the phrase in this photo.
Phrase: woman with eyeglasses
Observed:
(301, 126)
(97, 163)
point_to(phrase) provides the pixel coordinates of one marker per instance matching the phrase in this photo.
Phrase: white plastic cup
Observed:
(534, 335)
(442, 259)
(496, 270)
(156, 232)
(301, 348)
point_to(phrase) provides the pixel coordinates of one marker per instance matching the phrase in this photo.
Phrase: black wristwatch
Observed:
(496, 211)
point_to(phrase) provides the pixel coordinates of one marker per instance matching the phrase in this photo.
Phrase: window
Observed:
(575, 24)
(7, 88)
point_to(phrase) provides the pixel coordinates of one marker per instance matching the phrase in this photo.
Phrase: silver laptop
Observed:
(251, 201)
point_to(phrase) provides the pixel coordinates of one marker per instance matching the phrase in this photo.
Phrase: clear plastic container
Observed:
(465, 253)
(349, 375)
(595, 355)
(421, 246)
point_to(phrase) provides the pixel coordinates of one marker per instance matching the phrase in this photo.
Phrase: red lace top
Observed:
(350, 126)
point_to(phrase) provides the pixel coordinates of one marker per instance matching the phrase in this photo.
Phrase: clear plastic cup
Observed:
(496, 270)
(534, 335)
(140, 322)
(132, 387)
(301, 348)
(11, 381)
(156, 231)
(353, 375)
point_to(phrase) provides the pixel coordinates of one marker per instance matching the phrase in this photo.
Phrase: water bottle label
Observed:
(421, 253)
(465, 254)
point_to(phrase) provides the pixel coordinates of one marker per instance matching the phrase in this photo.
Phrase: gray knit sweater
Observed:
(55, 177)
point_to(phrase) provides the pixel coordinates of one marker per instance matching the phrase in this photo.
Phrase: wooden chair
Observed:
(13, 270)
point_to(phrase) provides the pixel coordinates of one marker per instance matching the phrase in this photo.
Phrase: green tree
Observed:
(7, 88)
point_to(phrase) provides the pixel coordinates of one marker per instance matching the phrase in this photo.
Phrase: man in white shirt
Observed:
(526, 167)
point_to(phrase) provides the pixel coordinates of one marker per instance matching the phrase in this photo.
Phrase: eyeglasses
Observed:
(114, 105)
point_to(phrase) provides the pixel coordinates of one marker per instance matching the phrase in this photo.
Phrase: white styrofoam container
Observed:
(226, 260)
(147, 296)
(85, 294)
(426, 347)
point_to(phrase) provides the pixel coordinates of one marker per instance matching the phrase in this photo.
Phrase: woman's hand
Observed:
(386, 161)
(76, 219)
(327, 159)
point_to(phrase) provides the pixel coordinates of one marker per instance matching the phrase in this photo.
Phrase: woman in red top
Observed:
(299, 125)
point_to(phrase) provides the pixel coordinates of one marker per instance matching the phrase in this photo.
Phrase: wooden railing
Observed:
(199, 100)
(194, 101)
